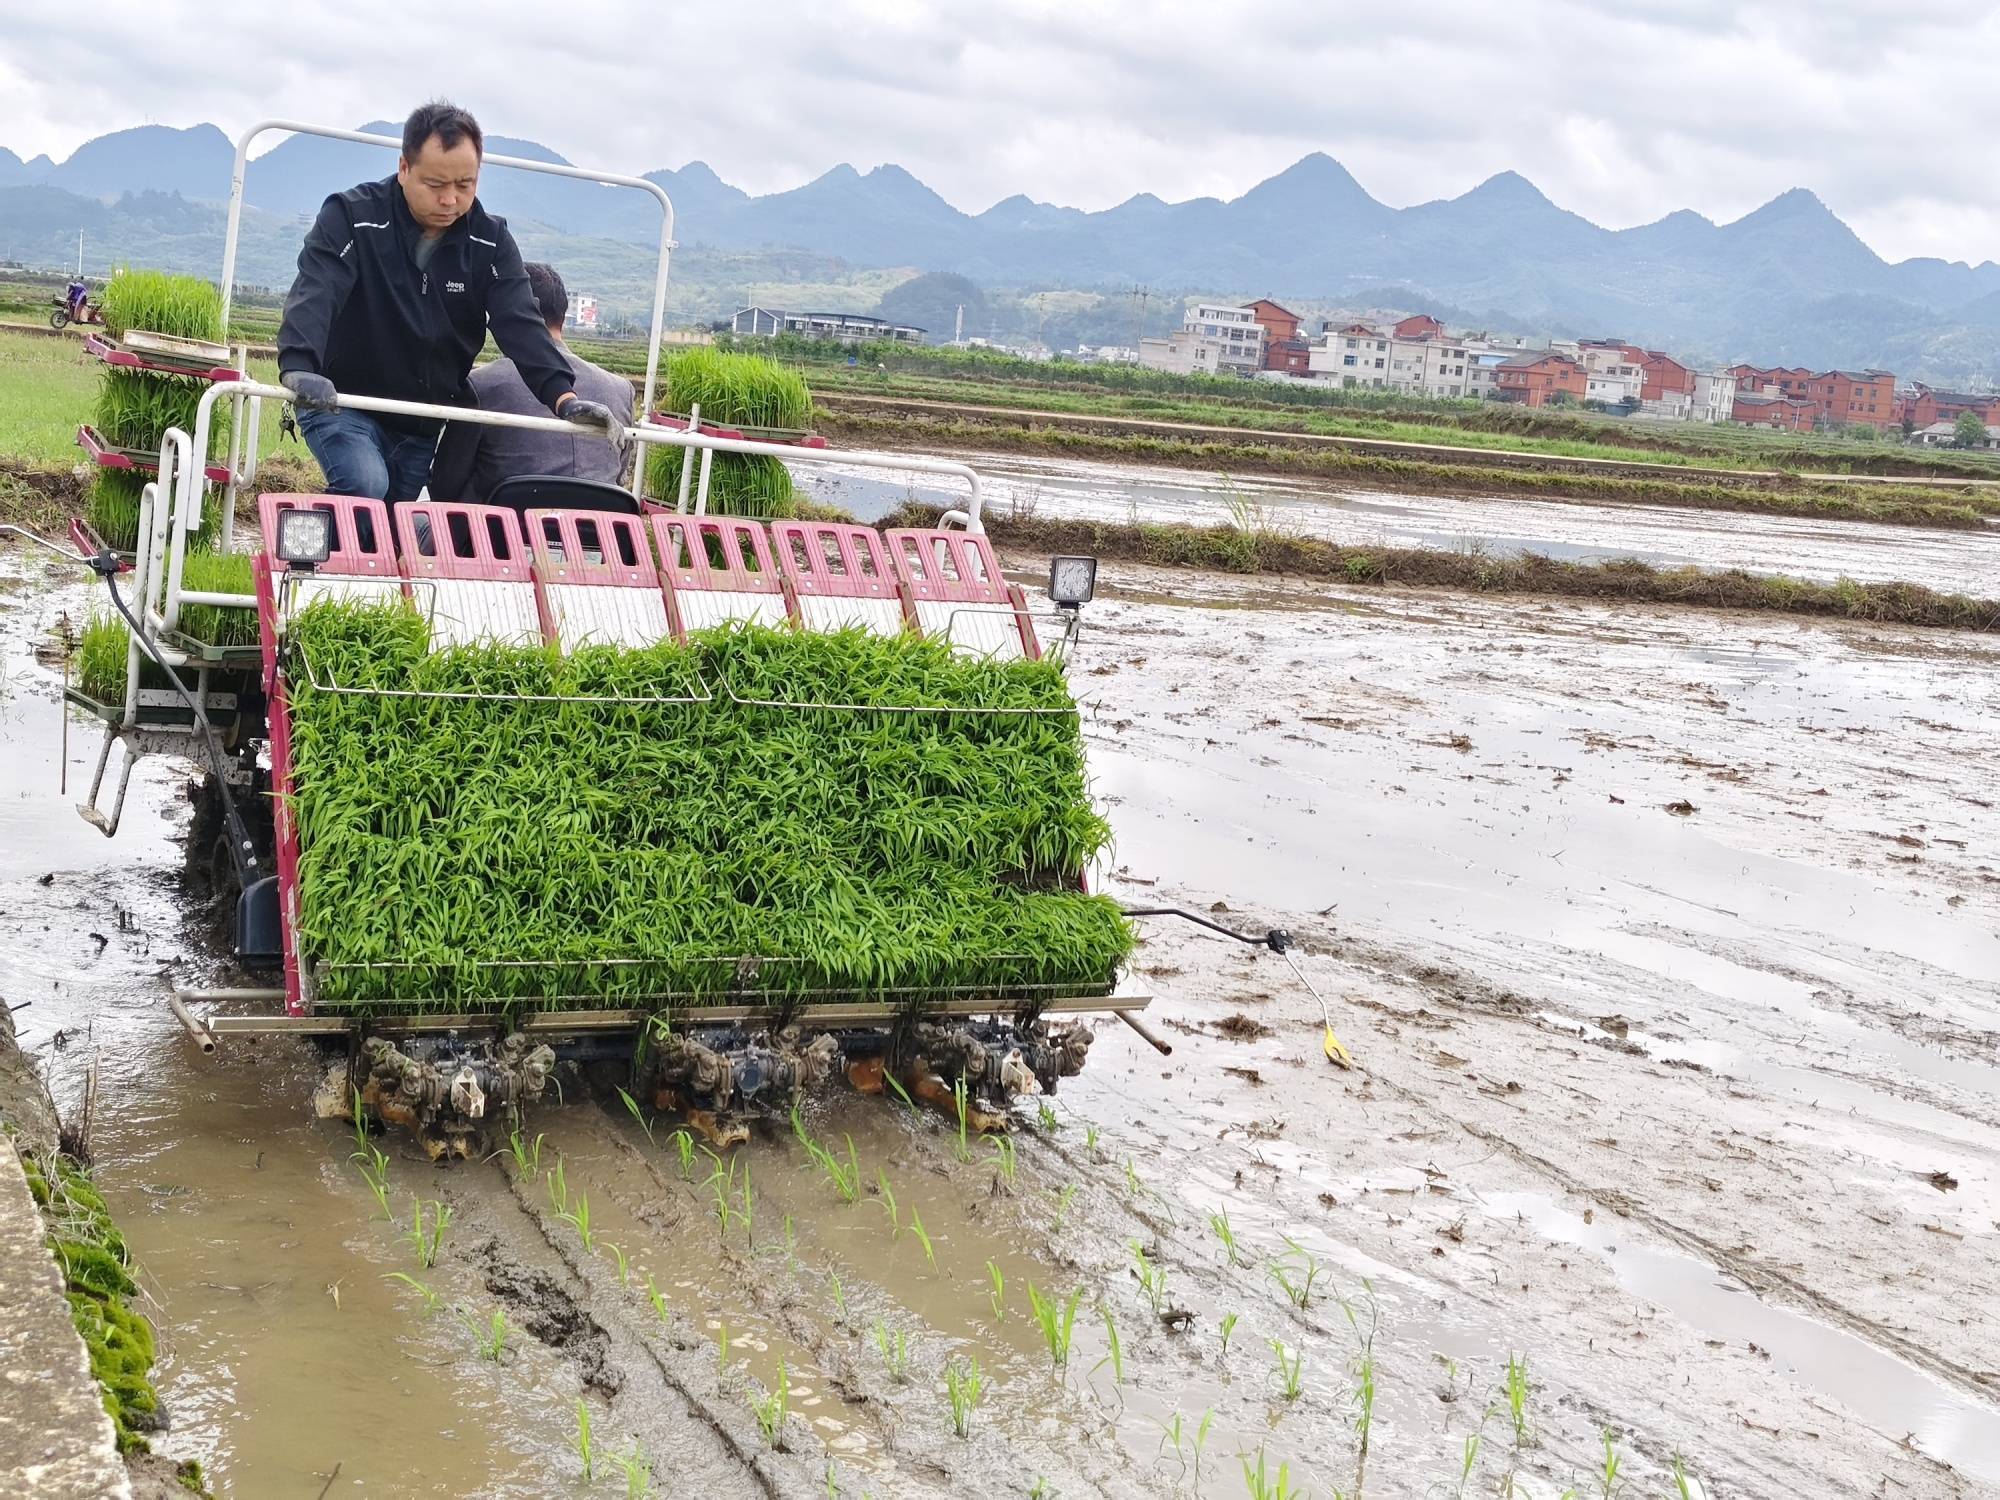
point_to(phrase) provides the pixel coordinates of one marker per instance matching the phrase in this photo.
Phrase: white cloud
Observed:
(1620, 113)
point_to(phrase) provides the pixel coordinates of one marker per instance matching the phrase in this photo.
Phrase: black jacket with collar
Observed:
(361, 313)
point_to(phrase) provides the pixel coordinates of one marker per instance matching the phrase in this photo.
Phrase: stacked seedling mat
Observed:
(757, 397)
(136, 404)
(686, 823)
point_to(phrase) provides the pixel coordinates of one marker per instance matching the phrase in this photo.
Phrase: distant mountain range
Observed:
(1788, 283)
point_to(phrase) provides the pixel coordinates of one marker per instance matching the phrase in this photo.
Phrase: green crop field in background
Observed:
(48, 387)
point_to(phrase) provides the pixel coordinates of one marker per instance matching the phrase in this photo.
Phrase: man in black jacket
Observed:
(399, 281)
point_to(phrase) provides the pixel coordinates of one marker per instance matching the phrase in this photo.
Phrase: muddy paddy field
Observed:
(1667, 948)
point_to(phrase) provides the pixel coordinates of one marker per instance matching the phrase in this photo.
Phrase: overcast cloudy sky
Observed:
(1621, 112)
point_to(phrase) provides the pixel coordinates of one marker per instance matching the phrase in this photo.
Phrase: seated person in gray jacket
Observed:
(472, 458)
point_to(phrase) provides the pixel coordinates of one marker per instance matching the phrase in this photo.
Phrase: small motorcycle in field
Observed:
(75, 307)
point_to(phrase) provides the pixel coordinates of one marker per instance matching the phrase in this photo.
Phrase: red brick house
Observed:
(1866, 397)
(1924, 407)
(1284, 349)
(1779, 412)
(1419, 326)
(1537, 378)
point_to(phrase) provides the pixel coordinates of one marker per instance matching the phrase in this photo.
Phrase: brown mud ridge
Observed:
(1542, 476)
(1228, 549)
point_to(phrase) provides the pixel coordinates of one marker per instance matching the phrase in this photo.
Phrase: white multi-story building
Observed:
(1374, 358)
(1237, 328)
(1714, 397)
(1183, 353)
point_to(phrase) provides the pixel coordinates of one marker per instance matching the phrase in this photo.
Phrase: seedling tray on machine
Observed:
(159, 354)
(107, 455)
(779, 437)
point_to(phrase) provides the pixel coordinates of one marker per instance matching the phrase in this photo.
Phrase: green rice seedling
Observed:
(790, 1242)
(1517, 1390)
(657, 1297)
(964, 1385)
(134, 409)
(578, 1218)
(1090, 1143)
(845, 1177)
(1152, 1277)
(997, 1297)
(1057, 1320)
(722, 1192)
(1296, 1271)
(218, 624)
(1133, 1185)
(900, 1092)
(580, 1440)
(182, 307)
(721, 1349)
(1046, 1118)
(1065, 1195)
(373, 1163)
(959, 1103)
(1200, 1440)
(1364, 1408)
(832, 1488)
(1291, 1370)
(101, 655)
(557, 1183)
(1228, 1326)
(1684, 1483)
(429, 1295)
(829, 846)
(1264, 1485)
(638, 1471)
(888, 1201)
(527, 1158)
(427, 1241)
(771, 1407)
(1115, 1355)
(1613, 1465)
(1008, 1159)
(924, 1239)
(834, 1286)
(683, 1142)
(491, 1335)
(894, 1348)
(113, 507)
(632, 1106)
(1174, 1432)
(624, 1266)
(1469, 1458)
(1219, 1222)
(732, 390)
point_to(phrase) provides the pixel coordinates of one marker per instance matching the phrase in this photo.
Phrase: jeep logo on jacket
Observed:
(364, 315)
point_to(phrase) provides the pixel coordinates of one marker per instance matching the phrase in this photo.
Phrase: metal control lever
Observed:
(1280, 942)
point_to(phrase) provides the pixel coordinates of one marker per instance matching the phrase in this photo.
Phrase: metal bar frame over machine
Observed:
(171, 512)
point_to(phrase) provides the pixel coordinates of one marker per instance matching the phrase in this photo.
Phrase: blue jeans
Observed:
(360, 456)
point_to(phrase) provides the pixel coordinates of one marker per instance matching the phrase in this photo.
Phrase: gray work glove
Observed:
(313, 392)
(586, 413)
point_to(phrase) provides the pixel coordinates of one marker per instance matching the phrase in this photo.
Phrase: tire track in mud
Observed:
(1765, 1281)
(1461, 992)
(585, 1328)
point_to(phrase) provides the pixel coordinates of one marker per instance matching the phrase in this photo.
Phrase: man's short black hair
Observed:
(446, 121)
(551, 296)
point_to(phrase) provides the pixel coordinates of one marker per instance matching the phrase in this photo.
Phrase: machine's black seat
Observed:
(526, 492)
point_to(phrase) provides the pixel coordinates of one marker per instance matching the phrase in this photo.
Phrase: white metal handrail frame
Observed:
(166, 520)
(553, 169)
